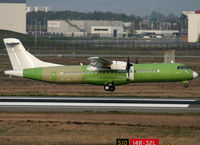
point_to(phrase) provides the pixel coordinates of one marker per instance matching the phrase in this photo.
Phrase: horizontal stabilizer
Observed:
(17, 73)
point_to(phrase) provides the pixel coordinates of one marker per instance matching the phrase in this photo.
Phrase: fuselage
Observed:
(157, 72)
(100, 71)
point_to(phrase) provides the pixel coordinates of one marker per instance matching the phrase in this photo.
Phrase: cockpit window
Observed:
(182, 67)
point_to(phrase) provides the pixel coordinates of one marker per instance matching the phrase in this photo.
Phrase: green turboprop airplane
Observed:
(99, 72)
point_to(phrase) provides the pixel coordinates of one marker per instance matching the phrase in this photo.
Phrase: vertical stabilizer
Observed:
(20, 58)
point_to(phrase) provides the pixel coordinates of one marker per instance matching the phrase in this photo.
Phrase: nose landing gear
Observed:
(186, 84)
(109, 87)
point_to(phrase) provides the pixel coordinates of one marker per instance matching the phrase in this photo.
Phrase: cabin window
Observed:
(182, 67)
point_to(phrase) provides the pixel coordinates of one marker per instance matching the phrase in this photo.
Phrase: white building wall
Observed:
(13, 17)
(79, 28)
(193, 25)
(107, 31)
(62, 27)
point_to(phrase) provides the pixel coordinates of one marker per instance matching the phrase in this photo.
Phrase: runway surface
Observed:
(80, 104)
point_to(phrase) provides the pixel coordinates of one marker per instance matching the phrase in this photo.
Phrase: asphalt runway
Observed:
(80, 104)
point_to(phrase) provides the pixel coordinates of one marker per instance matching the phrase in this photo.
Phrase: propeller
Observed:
(128, 66)
(136, 61)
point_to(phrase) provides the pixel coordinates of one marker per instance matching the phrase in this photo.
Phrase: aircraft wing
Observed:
(100, 62)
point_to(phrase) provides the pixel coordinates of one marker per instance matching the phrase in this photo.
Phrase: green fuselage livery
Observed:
(163, 72)
(99, 72)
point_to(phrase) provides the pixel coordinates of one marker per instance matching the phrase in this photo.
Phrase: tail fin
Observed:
(20, 58)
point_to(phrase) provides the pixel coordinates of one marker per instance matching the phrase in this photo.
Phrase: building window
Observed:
(100, 29)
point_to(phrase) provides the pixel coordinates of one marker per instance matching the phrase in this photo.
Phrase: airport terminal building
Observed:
(13, 15)
(83, 28)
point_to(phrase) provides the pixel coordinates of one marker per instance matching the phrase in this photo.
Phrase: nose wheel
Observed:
(109, 87)
(186, 85)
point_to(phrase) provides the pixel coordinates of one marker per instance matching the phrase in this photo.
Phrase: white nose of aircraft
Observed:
(195, 74)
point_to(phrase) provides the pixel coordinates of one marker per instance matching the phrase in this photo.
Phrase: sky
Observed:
(136, 7)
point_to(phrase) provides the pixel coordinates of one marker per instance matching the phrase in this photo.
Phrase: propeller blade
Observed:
(128, 66)
(136, 61)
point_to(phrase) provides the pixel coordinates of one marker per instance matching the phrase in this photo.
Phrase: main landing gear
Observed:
(109, 87)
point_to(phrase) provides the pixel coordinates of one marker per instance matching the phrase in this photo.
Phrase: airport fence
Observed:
(110, 44)
(62, 44)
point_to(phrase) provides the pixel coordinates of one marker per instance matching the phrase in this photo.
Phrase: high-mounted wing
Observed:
(100, 62)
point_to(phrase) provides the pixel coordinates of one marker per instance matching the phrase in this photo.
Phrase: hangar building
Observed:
(80, 28)
(193, 25)
(13, 15)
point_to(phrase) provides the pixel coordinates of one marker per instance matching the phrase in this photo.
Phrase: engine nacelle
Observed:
(119, 65)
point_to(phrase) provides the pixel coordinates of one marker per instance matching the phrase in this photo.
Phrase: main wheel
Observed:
(186, 85)
(112, 88)
(106, 88)
(109, 87)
